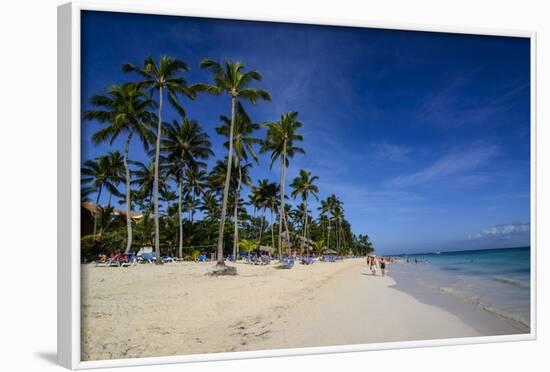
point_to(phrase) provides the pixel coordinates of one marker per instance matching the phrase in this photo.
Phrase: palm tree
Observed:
(332, 205)
(97, 175)
(186, 146)
(255, 200)
(243, 146)
(194, 183)
(318, 246)
(230, 79)
(190, 204)
(338, 215)
(144, 178)
(323, 221)
(281, 137)
(242, 170)
(247, 245)
(304, 185)
(269, 192)
(125, 110)
(116, 173)
(209, 204)
(218, 176)
(159, 77)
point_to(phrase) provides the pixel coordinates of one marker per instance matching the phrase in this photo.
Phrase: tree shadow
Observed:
(48, 356)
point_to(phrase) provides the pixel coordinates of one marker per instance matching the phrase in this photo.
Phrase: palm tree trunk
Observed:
(128, 201)
(156, 180)
(255, 221)
(287, 233)
(343, 237)
(236, 217)
(180, 238)
(338, 235)
(260, 231)
(305, 230)
(272, 231)
(283, 195)
(226, 187)
(96, 211)
(328, 235)
(281, 207)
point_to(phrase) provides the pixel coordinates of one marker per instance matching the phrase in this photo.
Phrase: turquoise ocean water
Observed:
(496, 280)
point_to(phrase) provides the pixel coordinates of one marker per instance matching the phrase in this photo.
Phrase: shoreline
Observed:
(175, 309)
(467, 306)
(470, 311)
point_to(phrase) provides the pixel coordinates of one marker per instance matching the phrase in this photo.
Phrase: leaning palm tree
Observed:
(186, 147)
(229, 78)
(243, 146)
(304, 185)
(164, 76)
(97, 176)
(125, 111)
(280, 141)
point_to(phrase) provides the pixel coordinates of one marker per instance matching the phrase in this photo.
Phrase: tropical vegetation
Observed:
(185, 199)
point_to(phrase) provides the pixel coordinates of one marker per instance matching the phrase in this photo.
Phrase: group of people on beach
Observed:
(375, 262)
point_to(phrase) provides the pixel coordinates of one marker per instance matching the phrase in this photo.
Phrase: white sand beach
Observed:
(174, 309)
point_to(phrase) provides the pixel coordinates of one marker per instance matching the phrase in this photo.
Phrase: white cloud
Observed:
(458, 162)
(392, 152)
(504, 231)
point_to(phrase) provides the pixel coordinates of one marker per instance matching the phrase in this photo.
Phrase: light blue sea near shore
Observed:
(495, 280)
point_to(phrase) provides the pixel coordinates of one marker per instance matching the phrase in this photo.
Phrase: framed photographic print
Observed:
(233, 186)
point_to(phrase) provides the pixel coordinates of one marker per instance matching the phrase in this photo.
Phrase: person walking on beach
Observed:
(383, 266)
(374, 265)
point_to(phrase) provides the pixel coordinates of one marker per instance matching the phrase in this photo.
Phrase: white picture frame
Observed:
(69, 121)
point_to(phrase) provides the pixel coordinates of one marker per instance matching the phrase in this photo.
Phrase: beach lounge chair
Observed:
(168, 258)
(245, 258)
(147, 257)
(287, 263)
(131, 261)
(202, 258)
(116, 259)
(101, 260)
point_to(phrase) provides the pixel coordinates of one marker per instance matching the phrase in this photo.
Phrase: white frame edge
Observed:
(68, 189)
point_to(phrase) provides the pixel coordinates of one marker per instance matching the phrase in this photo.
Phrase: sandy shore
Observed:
(176, 309)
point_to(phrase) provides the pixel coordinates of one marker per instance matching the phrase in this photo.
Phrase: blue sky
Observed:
(424, 136)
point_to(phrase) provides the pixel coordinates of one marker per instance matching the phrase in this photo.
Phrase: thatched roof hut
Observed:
(92, 209)
(266, 249)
